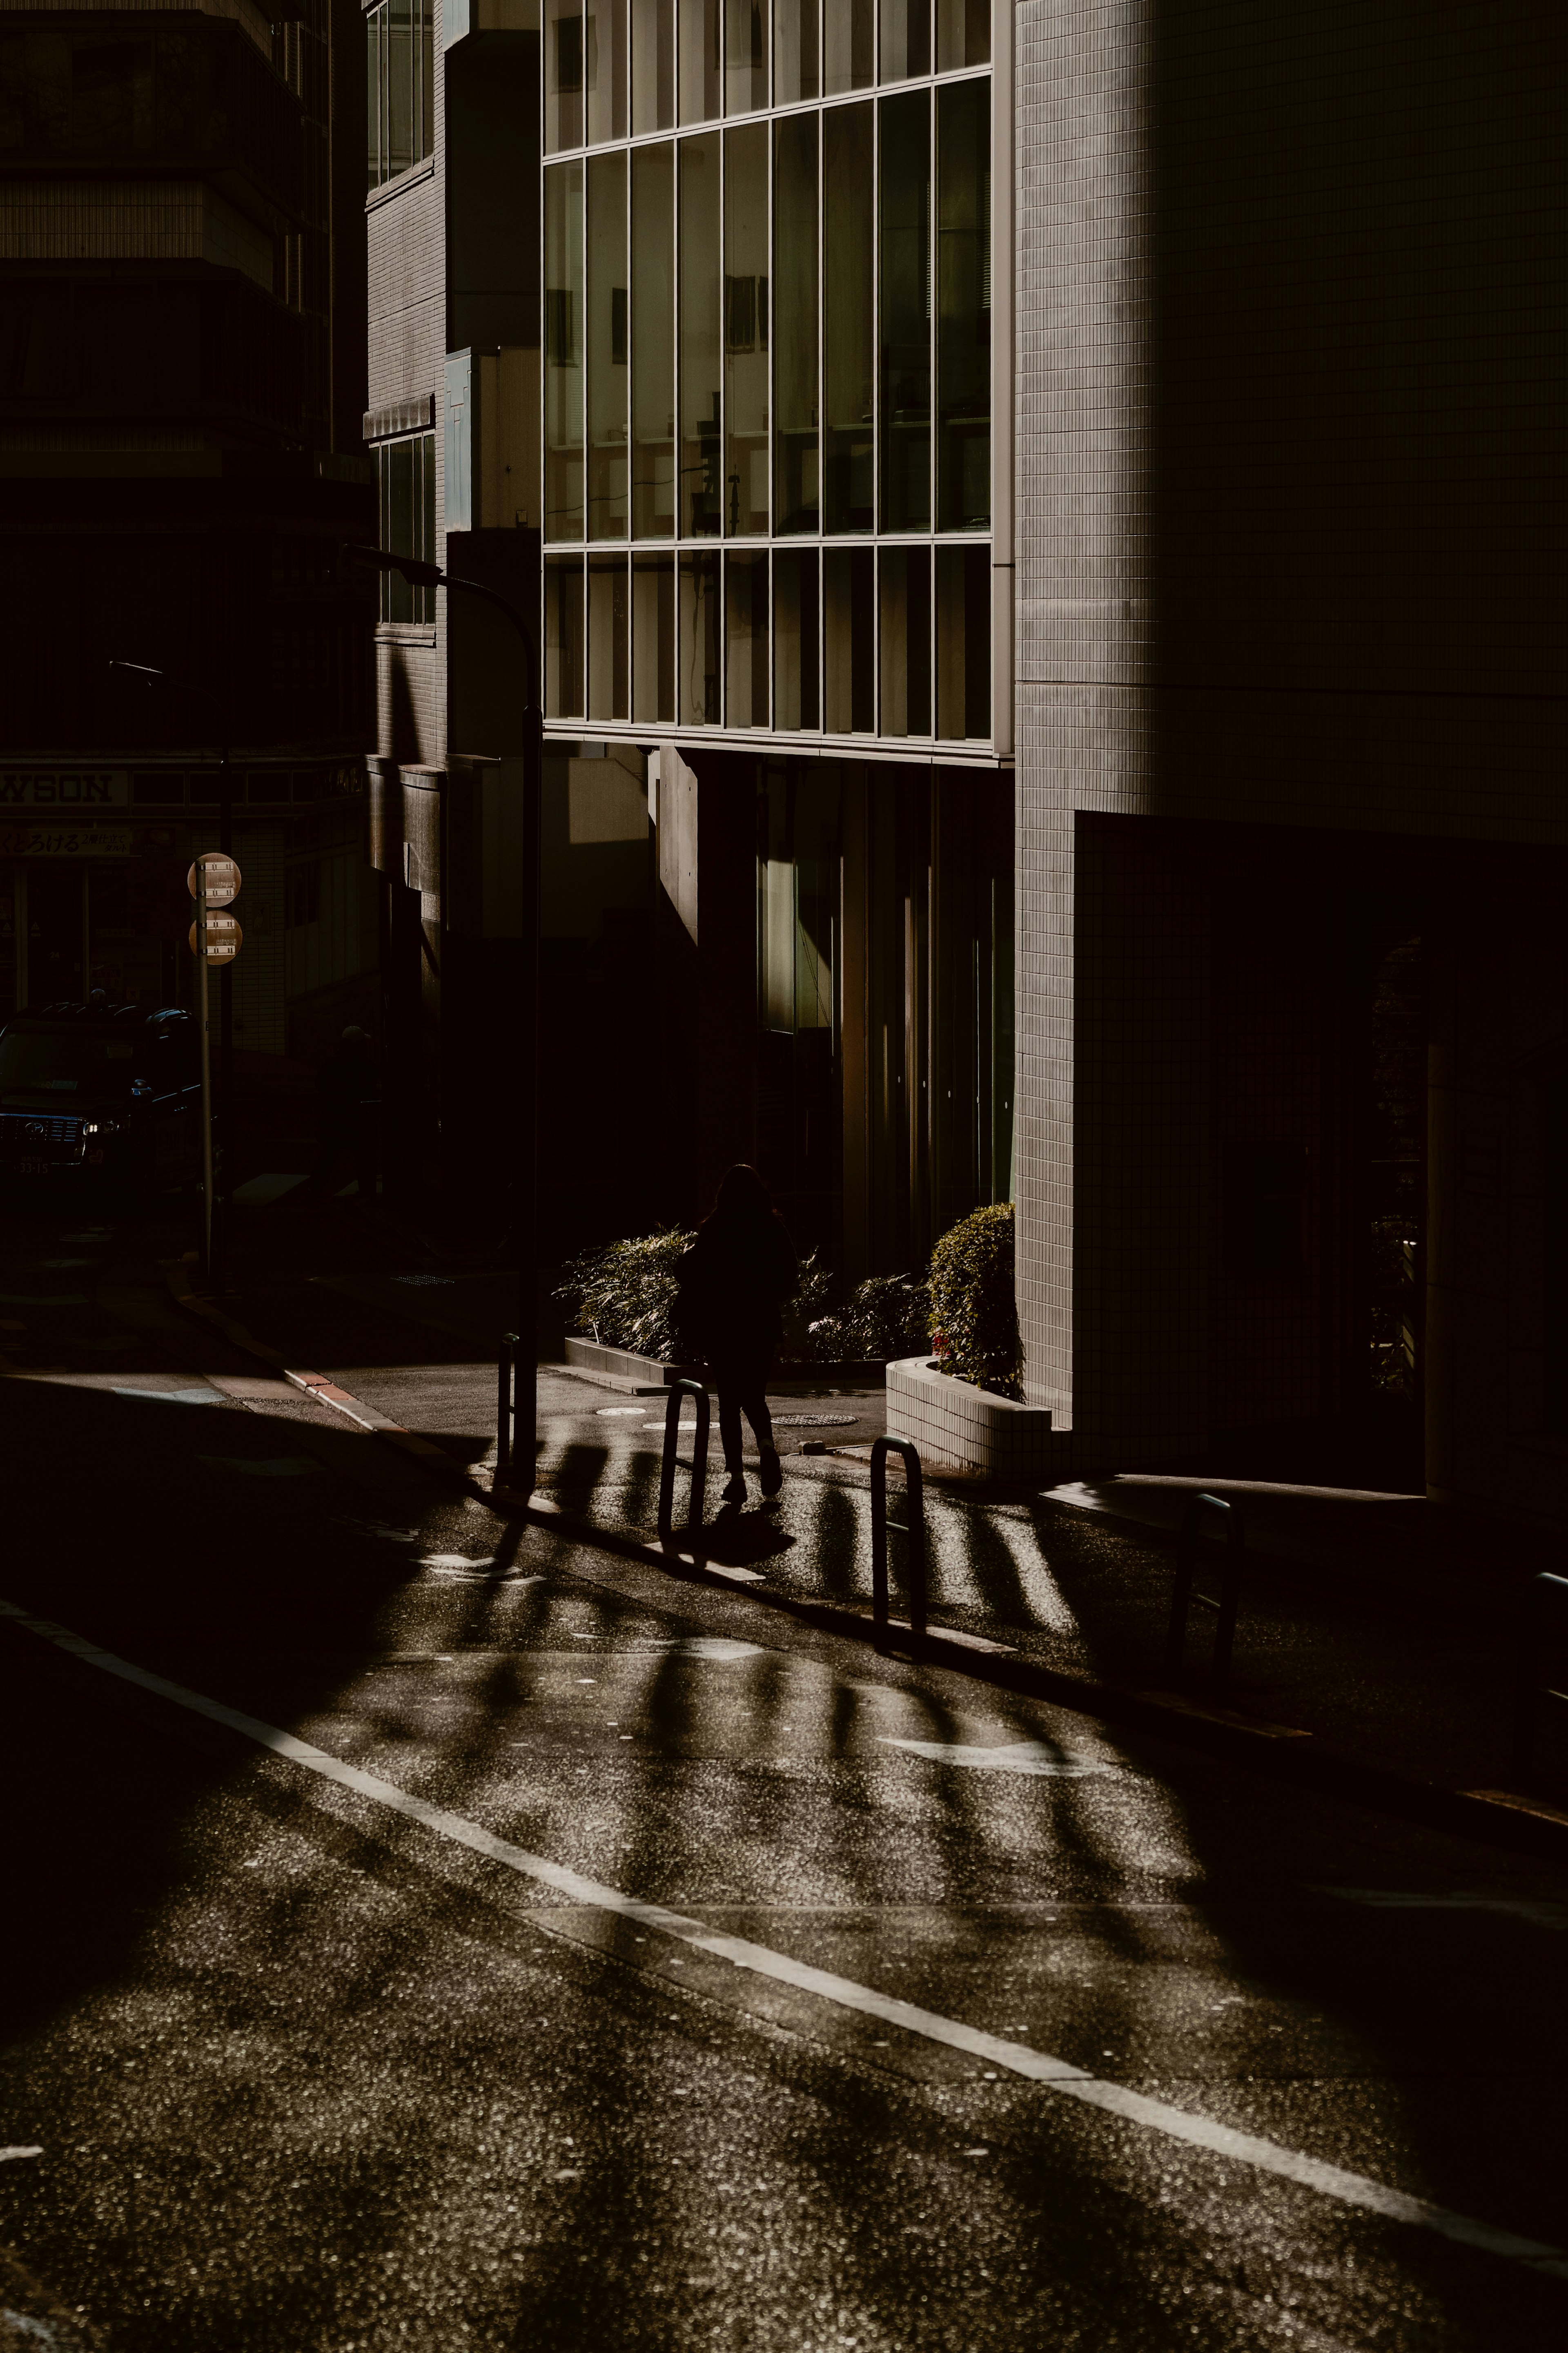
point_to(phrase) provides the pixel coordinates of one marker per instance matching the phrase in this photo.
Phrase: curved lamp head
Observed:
(417, 574)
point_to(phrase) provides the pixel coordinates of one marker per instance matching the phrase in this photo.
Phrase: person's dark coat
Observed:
(734, 1283)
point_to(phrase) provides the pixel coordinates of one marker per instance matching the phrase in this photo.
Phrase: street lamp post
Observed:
(212, 1257)
(525, 1179)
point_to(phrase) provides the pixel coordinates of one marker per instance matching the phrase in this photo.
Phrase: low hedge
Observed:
(623, 1294)
(974, 1315)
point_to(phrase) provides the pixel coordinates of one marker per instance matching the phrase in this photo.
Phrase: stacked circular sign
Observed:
(221, 876)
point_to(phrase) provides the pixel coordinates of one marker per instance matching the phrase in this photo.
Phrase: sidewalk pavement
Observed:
(1371, 1628)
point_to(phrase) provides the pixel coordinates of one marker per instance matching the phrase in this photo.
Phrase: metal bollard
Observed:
(914, 1527)
(1229, 1600)
(1527, 1691)
(698, 1465)
(506, 1365)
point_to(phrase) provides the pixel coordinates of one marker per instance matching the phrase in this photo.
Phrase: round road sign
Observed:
(223, 877)
(224, 938)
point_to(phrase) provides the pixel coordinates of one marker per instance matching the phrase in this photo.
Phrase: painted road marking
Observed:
(275, 1466)
(256, 1191)
(203, 1395)
(1518, 1907)
(1037, 2066)
(1013, 1756)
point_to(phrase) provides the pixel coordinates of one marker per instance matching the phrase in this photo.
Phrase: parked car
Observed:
(104, 1093)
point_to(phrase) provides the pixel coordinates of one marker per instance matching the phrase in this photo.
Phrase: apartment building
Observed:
(181, 394)
(1041, 522)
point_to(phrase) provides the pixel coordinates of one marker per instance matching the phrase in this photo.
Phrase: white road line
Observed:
(1012, 1757)
(1037, 2066)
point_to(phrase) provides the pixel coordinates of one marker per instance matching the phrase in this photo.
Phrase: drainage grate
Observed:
(816, 1421)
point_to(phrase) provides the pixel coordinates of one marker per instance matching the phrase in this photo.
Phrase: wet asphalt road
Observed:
(305, 2073)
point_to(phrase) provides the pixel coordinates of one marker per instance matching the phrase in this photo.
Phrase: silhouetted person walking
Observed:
(349, 1091)
(734, 1282)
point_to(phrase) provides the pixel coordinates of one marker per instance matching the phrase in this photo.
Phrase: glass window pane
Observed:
(797, 638)
(425, 66)
(849, 593)
(563, 352)
(846, 196)
(906, 312)
(746, 640)
(848, 45)
(796, 505)
(701, 457)
(653, 639)
(963, 34)
(563, 636)
(746, 329)
(795, 50)
(963, 642)
(604, 70)
(746, 56)
(562, 74)
(400, 87)
(609, 639)
(963, 306)
(606, 340)
(698, 60)
(375, 153)
(906, 38)
(426, 597)
(699, 634)
(653, 342)
(653, 65)
(904, 639)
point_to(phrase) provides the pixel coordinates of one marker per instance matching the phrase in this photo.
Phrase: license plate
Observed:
(34, 1167)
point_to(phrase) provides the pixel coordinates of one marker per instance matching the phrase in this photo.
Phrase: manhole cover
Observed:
(817, 1421)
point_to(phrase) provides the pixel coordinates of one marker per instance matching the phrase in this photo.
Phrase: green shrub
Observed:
(623, 1294)
(975, 1317)
(887, 1316)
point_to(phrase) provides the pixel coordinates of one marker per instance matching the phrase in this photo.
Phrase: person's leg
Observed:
(754, 1401)
(728, 1386)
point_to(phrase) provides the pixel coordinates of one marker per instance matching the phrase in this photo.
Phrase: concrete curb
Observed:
(1502, 1818)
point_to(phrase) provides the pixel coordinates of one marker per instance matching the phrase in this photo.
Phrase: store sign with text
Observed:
(65, 841)
(70, 789)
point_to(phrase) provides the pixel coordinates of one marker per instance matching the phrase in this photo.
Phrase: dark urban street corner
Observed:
(784, 1177)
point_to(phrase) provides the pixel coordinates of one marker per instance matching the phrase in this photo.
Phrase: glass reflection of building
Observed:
(767, 281)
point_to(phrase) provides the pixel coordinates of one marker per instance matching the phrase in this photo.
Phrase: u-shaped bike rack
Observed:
(506, 1405)
(1529, 1692)
(914, 1527)
(1229, 1600)
(698, 1466)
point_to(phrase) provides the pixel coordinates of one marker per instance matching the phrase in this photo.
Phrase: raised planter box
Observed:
(647, 1372)
(957, 1427)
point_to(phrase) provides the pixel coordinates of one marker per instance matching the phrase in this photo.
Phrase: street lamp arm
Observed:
(168, 678)
(420, 575)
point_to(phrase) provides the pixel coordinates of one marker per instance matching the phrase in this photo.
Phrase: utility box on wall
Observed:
(493, 440)
(485, 847)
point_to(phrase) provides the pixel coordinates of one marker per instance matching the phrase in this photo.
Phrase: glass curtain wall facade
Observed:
(767, 350)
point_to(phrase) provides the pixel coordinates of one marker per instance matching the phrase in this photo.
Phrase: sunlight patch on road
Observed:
(1012, 1757)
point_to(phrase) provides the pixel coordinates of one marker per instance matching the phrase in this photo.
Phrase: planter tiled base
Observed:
(959, 1427)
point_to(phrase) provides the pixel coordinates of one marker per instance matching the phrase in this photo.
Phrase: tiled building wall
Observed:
(1288, 486)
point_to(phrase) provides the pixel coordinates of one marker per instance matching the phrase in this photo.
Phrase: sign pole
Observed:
(202, 1007)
